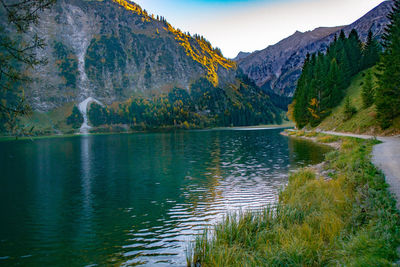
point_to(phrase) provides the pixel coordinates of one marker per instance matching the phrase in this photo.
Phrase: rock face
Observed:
(278, 67)
(111, 50)
(241, 55)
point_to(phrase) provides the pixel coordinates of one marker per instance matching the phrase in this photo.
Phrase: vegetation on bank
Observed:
(48, 123)
(346, 219)
(204, 105)
(19, 54)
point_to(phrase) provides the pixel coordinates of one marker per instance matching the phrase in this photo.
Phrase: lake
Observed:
(137, 198)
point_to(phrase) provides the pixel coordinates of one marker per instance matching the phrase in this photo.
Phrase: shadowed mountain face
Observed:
(111, 50)
(278, 67)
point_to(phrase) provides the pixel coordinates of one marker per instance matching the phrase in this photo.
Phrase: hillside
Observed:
(364, 121)
(278, 67)
(141, 71)
(111, 50)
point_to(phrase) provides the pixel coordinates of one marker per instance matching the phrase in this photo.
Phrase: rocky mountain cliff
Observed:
(111, 50)
(278, 67)
(241, 55)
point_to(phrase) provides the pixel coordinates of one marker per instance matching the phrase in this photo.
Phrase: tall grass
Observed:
(350, 220)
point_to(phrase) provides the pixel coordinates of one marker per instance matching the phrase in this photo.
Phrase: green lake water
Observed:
(134, 199)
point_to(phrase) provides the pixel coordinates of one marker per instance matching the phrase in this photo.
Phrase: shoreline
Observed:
(158, 130)
(338, 211)
(384, 155)
(335, 145)
(378, 157)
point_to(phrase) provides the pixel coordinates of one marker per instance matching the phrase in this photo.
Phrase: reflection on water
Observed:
(134, 199)
(86, 176)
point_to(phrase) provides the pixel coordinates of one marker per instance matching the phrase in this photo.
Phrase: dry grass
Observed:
(327, 139)
(349, 220)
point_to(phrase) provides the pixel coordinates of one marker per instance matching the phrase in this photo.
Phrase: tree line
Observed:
(325, 77)
(387, 97)
(204, 105)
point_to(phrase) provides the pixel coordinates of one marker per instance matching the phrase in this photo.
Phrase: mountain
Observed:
(278, 67)
(111, 65)
(241, 56)
(112, 50)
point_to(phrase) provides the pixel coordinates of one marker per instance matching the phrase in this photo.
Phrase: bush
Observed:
(349, 110)
(75, 119)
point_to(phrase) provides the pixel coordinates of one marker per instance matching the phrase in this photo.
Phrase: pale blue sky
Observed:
(248, 25)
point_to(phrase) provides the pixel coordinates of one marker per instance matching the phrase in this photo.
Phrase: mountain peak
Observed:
(135, 8)
(197, 47)
(278, 67)
(241, 55)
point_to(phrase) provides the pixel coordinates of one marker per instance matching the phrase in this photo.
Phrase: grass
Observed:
(364, 121)
(327, 138)
(285, 124)
(310, 134)
(347, 220)
(50, 123)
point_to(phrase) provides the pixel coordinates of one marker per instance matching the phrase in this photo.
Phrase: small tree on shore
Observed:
(75, 119)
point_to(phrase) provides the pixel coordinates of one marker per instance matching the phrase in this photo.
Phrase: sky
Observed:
(249, 25)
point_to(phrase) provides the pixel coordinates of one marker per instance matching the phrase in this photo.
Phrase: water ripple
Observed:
(134, 199)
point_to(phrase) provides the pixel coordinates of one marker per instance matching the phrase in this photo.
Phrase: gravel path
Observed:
(386, 157)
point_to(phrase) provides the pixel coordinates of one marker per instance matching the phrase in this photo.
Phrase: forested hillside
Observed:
(325, 77)
(205, 105)
(372, 100)
(139, 69)
(277, 68)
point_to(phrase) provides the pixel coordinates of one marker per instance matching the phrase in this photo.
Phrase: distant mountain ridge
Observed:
(278, 67)
(241, 55)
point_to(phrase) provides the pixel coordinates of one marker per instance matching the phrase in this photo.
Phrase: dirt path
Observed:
(386, 157)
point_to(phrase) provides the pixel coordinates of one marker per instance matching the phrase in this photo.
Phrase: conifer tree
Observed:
(349, 109)
(371, 51)
(354, 53)
(75, 119)
(342, 36)
(388, 92)
(334, 77)
(345, 71)
(324, 79)
(301, 96)
(368, 93)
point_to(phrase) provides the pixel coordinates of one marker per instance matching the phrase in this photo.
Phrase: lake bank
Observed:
(157, 130)
(348, 219)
